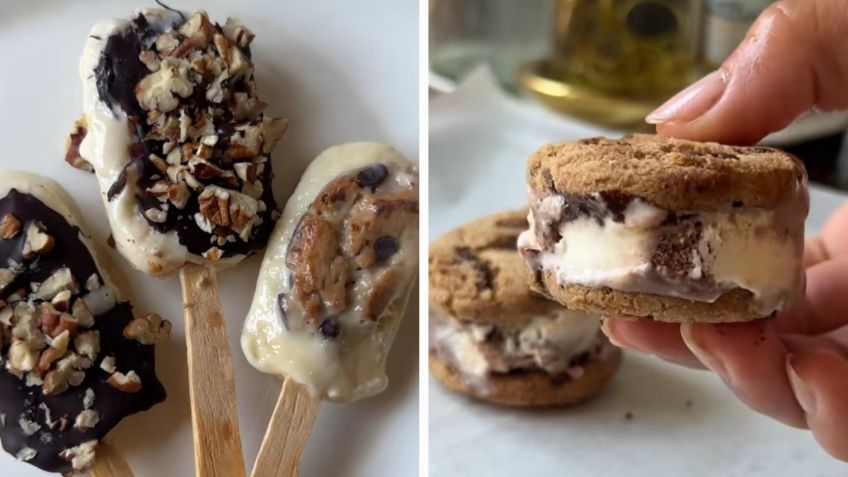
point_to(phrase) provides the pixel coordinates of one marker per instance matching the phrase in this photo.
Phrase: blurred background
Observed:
(610, 62)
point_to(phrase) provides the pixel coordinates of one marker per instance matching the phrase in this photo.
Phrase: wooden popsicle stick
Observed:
(212, 389)
(109, 462)
(288, 431)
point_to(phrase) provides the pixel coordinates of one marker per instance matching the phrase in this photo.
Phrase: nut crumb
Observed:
(108, 365)
(129, 383)
(37, 242)
(26, 454)
(82, 456)
(86, 420)
(88, 399)
(9, 226)
(213, 254)
(28, 427)
(149, 329)
(72, 145)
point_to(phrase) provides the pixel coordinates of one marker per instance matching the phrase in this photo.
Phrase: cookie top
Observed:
(674, 174)
(476, 273)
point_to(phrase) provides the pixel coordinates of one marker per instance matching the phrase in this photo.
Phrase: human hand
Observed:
(793, 367)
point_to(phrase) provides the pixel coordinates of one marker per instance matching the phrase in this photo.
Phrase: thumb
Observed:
(790, 61)
(818, 381)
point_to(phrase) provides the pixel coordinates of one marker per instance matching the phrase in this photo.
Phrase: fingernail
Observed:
(692, 102)
(708, 359)
(803, 392)
(607, 328)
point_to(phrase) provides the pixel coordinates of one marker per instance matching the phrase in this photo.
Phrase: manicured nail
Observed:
(803, 392)
(607, 328)
(692, 102)
(696, 346)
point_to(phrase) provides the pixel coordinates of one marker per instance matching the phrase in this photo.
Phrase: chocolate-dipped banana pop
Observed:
(174, 131)
(333, 287)
(75, 361)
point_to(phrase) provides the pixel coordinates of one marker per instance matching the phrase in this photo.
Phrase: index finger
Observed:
(789, 62)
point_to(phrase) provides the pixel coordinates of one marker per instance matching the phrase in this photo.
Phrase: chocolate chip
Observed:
(329, 329)
(737, 204)
(485, 280)
(372, 176)
(580, 360)
(616, 202)
(384, 248)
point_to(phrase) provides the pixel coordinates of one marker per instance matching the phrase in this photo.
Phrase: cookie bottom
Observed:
(735, 306)
(533, 388)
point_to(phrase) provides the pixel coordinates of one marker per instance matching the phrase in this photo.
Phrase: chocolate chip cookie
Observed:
(493, 339)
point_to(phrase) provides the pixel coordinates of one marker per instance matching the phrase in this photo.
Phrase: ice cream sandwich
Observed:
(666, 229)
(492, 338)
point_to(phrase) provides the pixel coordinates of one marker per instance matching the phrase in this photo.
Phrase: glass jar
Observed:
(631, 48)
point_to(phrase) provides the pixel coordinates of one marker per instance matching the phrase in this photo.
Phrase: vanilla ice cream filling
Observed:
(697, 256)
(557, 343)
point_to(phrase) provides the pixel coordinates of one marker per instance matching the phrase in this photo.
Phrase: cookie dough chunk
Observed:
(666, 229)
(493, 339)
(74, 361)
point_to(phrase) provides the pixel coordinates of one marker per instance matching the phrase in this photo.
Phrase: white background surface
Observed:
(479, 142)
(340, 71)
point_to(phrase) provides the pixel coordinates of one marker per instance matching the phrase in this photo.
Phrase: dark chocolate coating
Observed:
(120, 70)
(117, 74)
(16, 399)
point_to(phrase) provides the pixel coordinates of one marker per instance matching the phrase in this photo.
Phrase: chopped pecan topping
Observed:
(148, 329)
(9, 226)
(129, 383)
(204, 137)
(38, 242)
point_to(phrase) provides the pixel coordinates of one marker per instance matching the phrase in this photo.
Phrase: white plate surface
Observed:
(684, 422)
(340, 71)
